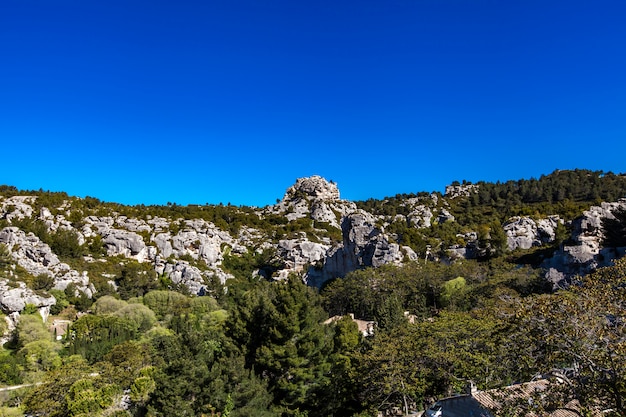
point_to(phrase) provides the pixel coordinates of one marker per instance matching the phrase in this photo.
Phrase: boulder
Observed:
(15, 299)
(125, 243)
(132, 225)
(312, 188)
(444, 216)
(298, 253)
(180, 272)
(420, 217)
(524, 232)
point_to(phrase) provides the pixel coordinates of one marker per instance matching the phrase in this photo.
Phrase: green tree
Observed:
(429, 358)
(108, 305)
(40, 355)
(5, 259)
(453, 294)
(31, 328)
(135, 280)
(66, 244)
(51, 397)
(280, 325)
(340, 395)
(581, 328)
(139, 315)
(94, 336)
(166, 302)
(203, 373)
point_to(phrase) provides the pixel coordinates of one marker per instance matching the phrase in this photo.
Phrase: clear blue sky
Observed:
(231, 100)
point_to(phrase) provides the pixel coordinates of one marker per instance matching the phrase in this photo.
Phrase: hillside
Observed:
(425, 254)
(94, 246)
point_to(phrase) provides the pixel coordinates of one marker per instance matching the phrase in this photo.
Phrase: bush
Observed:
(61, 303)
(141, 316)
(31, 328)
(108, 305)
(165, 302)
(66, 244)
(42, 282)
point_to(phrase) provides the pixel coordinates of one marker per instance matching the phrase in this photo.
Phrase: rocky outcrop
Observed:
(313, 198)
(16, 207)
(444, 216)
(305, 240)
(312, 188)
(323, 212)
(585, 252)
(300, 254)
(420, 217)
(201, 241)
(37, 258)
(460, 190)
(364, 245)
(524, 232)
(125, 243)
(181, 273)
(15, 299)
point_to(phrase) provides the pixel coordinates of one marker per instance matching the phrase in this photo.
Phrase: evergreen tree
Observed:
(280, 325)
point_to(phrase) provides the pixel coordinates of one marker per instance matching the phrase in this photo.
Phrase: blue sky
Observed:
(199, 102)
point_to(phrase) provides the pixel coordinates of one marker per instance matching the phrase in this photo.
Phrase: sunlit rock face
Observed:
(364, 245)
(524, 232)
(36, 257)
(312, 188)
(584, 251)
(315, 198)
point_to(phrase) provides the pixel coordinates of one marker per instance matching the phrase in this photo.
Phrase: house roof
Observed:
(494, 399)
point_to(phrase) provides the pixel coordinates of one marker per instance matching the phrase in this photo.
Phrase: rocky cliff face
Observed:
(313, 198)
(363, 245)
(37, 258)
(584, 251)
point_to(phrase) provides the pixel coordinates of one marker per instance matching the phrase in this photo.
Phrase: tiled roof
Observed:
(492, 399)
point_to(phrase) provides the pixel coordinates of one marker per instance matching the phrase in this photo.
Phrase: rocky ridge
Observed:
(339, 238)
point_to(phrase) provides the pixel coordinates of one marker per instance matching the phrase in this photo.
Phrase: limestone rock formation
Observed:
(460, 190)
(37, 258)
(363, 245)
(125, 243)
(313, 188)
(420, 217)
(313, 198)
(586, 253)
(15, 299)
(300, 253)
(524, 232)
(16, 207)
(444, 216)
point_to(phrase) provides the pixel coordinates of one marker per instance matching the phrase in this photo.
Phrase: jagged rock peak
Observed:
(313, 188)
(460, 190)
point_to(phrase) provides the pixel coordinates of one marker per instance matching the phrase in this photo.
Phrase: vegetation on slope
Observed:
(261, 348)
